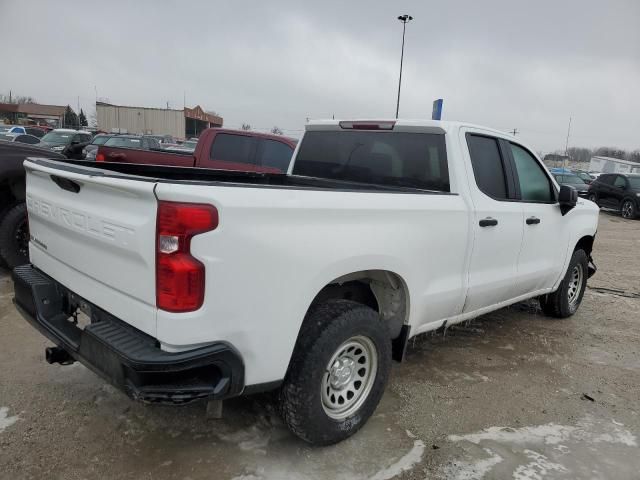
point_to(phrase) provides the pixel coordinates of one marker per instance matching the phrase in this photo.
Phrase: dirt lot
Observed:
(510, 395)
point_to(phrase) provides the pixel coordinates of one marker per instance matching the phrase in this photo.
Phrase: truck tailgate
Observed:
(89, 232)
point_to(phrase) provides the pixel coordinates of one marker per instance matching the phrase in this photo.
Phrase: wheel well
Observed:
(382, 290)
(586, 244)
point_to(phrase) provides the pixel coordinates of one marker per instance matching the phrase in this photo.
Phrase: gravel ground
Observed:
(510, 395)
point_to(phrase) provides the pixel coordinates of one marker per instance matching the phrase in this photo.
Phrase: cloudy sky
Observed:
(507, 64)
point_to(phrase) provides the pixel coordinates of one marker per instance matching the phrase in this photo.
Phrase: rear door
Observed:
(498, 223)
(605, 192)
(619, 191)
(96, 236)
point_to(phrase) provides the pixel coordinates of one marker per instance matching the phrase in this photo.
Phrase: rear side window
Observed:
(233, 148)
(488, 169)
(417, 160)
(275, 154)
(535, 186)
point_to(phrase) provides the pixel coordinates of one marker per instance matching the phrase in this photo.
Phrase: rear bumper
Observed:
(125, 356)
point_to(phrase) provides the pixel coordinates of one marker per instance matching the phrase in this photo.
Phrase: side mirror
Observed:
(567, 198)
(622, 187)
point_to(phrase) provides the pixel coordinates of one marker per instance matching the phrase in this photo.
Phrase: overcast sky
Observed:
(507, 64)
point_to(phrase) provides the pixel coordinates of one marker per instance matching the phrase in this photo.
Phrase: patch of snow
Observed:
(550, 434)
(5, 419)
(404, 464)
(538, 469)
(474, 470)
(508, 346)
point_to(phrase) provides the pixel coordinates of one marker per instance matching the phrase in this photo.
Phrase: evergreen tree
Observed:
(70, 118)
(82, 119)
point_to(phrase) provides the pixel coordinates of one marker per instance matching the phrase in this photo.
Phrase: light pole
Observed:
(404, 19)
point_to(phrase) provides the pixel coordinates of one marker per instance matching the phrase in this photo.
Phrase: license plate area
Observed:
(80, 312)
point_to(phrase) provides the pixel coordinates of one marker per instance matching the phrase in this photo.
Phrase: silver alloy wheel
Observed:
(627, 209)
(575, 285)
(349, 377)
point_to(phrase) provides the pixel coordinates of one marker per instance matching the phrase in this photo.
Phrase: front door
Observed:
(545, 238)
(498, 223)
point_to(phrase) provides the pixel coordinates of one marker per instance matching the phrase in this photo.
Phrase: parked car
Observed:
(574, 180)
(211, 284)
(9, 129)
(14, 232)
(35, 131)
(585, 176)
(20, 138)
(619, 191)
(67, 141)
(136, 142)
(217, 148)
(89, 152)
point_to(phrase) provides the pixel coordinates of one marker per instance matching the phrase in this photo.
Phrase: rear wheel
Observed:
(628, 209)
(14, 236)
(565, 301)
(338, 372)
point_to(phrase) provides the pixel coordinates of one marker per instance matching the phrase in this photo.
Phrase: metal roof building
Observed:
(184, 123)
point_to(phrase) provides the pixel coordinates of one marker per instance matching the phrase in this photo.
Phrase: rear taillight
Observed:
(180, 276)
(100, 157)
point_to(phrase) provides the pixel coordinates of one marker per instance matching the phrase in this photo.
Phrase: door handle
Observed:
(488, 222)
(533, 221)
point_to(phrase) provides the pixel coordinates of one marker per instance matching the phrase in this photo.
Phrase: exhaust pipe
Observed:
(58, 355)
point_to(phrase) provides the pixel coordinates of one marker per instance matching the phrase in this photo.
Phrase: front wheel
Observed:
(593, 197)
(628, 209)
(565, 301)
(338, 372)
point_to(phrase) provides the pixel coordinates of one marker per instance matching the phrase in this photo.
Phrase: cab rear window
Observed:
(416, 160)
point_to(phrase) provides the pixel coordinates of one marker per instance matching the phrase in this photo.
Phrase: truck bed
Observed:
(200, 176)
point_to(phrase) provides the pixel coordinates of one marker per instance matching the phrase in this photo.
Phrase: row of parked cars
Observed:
(216, 148)
(616, 191)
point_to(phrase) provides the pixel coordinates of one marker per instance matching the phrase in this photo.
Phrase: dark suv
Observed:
(620, 191)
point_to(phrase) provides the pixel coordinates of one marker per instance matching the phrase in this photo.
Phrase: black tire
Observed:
(558, 304)
(628, 209)
(14, 236)
(326, 328)
(593, 197)
(3, 210)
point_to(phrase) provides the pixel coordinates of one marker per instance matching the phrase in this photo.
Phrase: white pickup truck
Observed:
(210, 284)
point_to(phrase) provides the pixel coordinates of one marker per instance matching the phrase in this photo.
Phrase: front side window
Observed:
(534, 183)
(275, 154)
(620, 182)
(488, 169)
(606, 179)
(415, 160)
(233, 148)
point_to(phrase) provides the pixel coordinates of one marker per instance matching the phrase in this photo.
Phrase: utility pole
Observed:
(566, 145)
(404, 19)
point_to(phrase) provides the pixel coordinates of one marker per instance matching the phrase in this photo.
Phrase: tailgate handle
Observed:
(66, 184)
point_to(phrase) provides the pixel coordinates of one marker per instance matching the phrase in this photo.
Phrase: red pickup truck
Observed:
(217, 148)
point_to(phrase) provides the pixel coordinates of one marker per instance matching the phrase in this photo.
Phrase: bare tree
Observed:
(16, 99)
(246, 126)
(276, 131)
